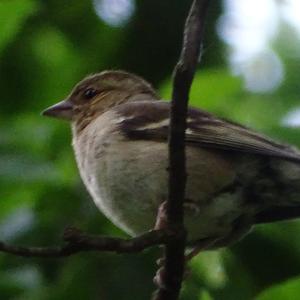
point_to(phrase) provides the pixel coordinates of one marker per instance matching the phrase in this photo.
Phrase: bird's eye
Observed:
(89, 93)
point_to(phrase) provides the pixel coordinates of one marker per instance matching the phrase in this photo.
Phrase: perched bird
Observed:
(236, 178)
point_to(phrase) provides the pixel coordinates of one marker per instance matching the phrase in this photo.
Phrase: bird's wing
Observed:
(149, 120)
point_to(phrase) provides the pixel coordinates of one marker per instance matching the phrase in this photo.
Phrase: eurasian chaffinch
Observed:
(236, 177)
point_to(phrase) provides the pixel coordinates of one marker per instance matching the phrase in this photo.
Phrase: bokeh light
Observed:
(290, 12)
(250, 29)
(114, 12)
(292, 118)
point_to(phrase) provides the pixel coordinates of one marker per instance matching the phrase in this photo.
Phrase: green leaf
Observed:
(205, 296)
(13, 13)
(209, 266)
(209, 89)
(289, 290)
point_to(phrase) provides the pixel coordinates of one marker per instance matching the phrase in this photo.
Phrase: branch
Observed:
(183, 77)
(78, 241)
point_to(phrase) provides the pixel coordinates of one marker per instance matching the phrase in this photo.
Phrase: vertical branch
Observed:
(183, 77)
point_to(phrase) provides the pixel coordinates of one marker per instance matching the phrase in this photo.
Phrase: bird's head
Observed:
(97, 93)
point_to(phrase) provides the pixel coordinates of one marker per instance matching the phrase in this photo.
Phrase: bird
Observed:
(236, 177)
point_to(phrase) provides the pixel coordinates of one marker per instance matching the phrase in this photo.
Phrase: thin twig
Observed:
(78, 241)
(183, 77)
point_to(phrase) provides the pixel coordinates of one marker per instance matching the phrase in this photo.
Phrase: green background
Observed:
(45, 48)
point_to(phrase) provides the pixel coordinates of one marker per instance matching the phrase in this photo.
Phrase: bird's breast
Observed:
(129, 179)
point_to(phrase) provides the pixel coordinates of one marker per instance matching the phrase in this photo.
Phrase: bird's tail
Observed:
(286, 202)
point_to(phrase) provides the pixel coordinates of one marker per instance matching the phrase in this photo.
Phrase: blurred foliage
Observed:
(288, 290)
(45, 48)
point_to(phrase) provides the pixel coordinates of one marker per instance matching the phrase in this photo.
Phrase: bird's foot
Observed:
(161, 218)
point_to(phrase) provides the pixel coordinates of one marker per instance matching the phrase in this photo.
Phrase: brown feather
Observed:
(148, 120)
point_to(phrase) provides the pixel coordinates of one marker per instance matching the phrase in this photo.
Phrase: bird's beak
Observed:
(61, 110)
